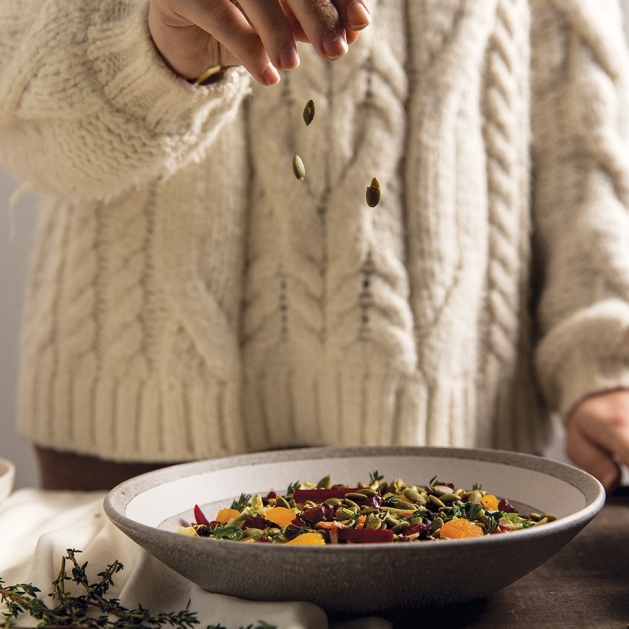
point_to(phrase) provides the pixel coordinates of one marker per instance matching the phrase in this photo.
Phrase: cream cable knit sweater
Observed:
(189, 298)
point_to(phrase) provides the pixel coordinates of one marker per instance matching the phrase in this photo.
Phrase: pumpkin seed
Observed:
(367, 510)
(407, 506)
(441, 490)
(281, 502)
(333, 502)
(436, 501)
(298, 168)
(367, 491)
(354, 496)
(309, 112)
(401, 526)
(449, 498)
(373, 523)
(325, 482)
(437, 523)
(414, 496)
(373, 194)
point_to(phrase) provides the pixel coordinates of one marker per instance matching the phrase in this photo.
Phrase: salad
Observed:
(373, 512)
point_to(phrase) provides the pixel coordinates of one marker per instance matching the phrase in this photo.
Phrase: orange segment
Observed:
(280, 516)
(225, 515)
(460, 529)
(307, 539)
(489, 502)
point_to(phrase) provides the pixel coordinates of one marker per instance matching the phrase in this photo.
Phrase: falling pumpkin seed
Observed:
(298, 168)
(309, 112)
(374, 193)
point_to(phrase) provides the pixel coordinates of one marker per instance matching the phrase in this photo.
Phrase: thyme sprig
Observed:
(90, 609)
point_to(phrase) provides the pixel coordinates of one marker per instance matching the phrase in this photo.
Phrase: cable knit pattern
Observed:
(593, 104)
(190, 298)
(506, 132)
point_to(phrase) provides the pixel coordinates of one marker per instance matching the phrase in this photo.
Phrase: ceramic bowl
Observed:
(7, 478)
(357, 578)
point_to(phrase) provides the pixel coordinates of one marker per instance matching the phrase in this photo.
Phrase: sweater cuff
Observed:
(585, 355)
(137, 82)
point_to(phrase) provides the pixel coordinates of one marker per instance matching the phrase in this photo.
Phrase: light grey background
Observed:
(16, 234)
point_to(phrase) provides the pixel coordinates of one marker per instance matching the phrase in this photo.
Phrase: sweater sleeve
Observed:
(580, 119)
(87, 106)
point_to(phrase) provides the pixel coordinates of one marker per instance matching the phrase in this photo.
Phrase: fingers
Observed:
(322, 25)
(227, 24)
(355, 14)
(604, 420)
(271, 23)
(592, 458)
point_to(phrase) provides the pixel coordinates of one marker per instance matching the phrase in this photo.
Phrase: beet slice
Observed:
(321, 495)
(199, 516)
(365, 536)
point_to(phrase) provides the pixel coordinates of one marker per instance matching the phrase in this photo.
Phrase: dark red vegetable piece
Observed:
(420, 527)
(502, 528)
(506, 506)
(321, 495)
(365, 536)
(199, 516)
(318, 514)
(255, 522)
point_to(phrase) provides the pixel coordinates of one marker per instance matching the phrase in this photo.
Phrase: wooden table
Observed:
(585, 585)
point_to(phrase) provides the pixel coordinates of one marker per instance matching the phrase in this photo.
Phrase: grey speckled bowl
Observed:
(355, 578)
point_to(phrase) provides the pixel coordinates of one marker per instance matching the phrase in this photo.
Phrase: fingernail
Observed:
(289, 59)
(270, 75)
(358, 16)
(334, 45)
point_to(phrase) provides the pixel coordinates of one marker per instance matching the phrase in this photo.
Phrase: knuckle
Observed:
(322, 10)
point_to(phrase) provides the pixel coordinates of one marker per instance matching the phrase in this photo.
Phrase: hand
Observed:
(259, 34)
(598, 435)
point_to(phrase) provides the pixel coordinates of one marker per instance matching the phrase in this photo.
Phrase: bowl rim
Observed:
(7, 467)
(119, 497)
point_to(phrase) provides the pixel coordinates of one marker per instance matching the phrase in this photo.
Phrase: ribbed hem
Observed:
(174, 420)
(360, 406)
(585, 355)
(134, 420)
(136, 81)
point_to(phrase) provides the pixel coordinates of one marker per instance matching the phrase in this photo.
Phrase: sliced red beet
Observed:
(373, 502)
(420, 527)
(199, 516)
(365, 536)
(506, 506)
(321, 495)
(323, 513)
(255, 522)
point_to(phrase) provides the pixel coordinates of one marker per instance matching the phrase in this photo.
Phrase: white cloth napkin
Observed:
(36, 528)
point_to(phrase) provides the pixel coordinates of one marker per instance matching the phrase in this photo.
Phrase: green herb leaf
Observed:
(374, 477)
(291, 490)
(242, 502)
(232, 532)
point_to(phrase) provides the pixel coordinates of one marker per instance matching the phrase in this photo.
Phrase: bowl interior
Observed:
(169, 504)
